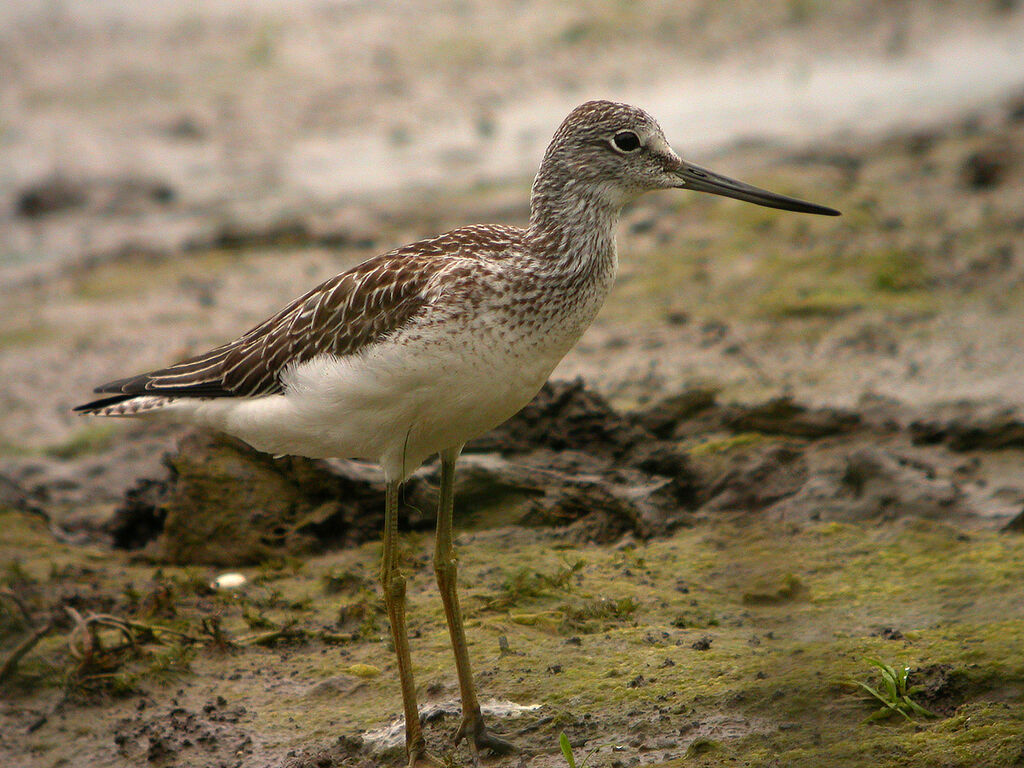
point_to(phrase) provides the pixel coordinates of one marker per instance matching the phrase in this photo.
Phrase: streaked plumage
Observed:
(372, 363)
(416, 351)
(339, 317)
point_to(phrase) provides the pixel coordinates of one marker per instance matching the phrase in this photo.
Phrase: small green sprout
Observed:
(893, 693)
(563, 742)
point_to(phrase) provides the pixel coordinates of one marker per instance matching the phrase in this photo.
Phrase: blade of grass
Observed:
(563, 742)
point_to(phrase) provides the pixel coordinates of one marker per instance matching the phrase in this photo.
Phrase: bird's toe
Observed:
(424, 759)
(479, 738)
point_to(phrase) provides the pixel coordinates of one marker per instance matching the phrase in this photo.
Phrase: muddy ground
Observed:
(789, 446)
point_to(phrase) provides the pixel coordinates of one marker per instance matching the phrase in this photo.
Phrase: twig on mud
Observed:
(86, 646)
(83, 640)
(211, 628)
(286, 631)
(126, 627)
(139, 626)
(291, 632)
(23, 648)
(332, 638)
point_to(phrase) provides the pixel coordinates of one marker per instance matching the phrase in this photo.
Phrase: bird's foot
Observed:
(420, 758)
(479, 738)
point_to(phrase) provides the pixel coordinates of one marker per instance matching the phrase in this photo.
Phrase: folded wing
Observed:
(340, 317)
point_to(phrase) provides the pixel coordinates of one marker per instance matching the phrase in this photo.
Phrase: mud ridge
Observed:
(567, 459)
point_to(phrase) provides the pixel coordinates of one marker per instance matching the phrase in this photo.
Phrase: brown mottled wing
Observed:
(340, 317)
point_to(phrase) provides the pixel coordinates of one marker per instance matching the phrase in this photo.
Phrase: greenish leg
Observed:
(393, 583)
(446, 569)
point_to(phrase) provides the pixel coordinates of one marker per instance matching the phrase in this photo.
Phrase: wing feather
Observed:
(340, 316)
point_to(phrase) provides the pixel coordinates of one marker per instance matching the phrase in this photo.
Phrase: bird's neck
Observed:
(572, 224)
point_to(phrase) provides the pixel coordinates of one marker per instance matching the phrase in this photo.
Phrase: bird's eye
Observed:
(626, 141)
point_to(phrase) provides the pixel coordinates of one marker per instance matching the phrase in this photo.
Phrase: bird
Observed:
(414, 352)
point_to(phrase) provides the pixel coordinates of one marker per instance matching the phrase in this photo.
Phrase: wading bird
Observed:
(416, 351)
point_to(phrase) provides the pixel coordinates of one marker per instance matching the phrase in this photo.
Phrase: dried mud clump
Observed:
(564, 416)
(574, 458)
(49, 196)
(972, 430)
(941, 687)
(755, 481)
(872, 483)
(989, 166)
(781, 416)
(224, 503)
(58, 194)
(568, 459)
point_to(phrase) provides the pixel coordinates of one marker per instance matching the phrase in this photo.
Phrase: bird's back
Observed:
(341, 317)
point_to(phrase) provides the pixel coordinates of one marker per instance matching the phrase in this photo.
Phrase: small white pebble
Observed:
(228, 581)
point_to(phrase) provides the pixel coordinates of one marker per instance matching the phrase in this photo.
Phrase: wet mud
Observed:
(617, 493)
(568, 459)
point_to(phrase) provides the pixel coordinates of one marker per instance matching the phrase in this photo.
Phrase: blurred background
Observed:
(264, 107)
(196, 138)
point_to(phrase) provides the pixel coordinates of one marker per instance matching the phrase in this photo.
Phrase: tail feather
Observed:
(99, 405)
(123, 405)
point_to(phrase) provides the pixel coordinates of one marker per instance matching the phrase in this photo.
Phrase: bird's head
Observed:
(617, 152)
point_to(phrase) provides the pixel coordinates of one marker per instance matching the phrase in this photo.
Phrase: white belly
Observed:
(396, 404)
(435, 385)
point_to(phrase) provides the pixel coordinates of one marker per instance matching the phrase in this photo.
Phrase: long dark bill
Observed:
(702, 180)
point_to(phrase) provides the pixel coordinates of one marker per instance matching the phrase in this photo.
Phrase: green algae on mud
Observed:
(90, 439)
(770, 686)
